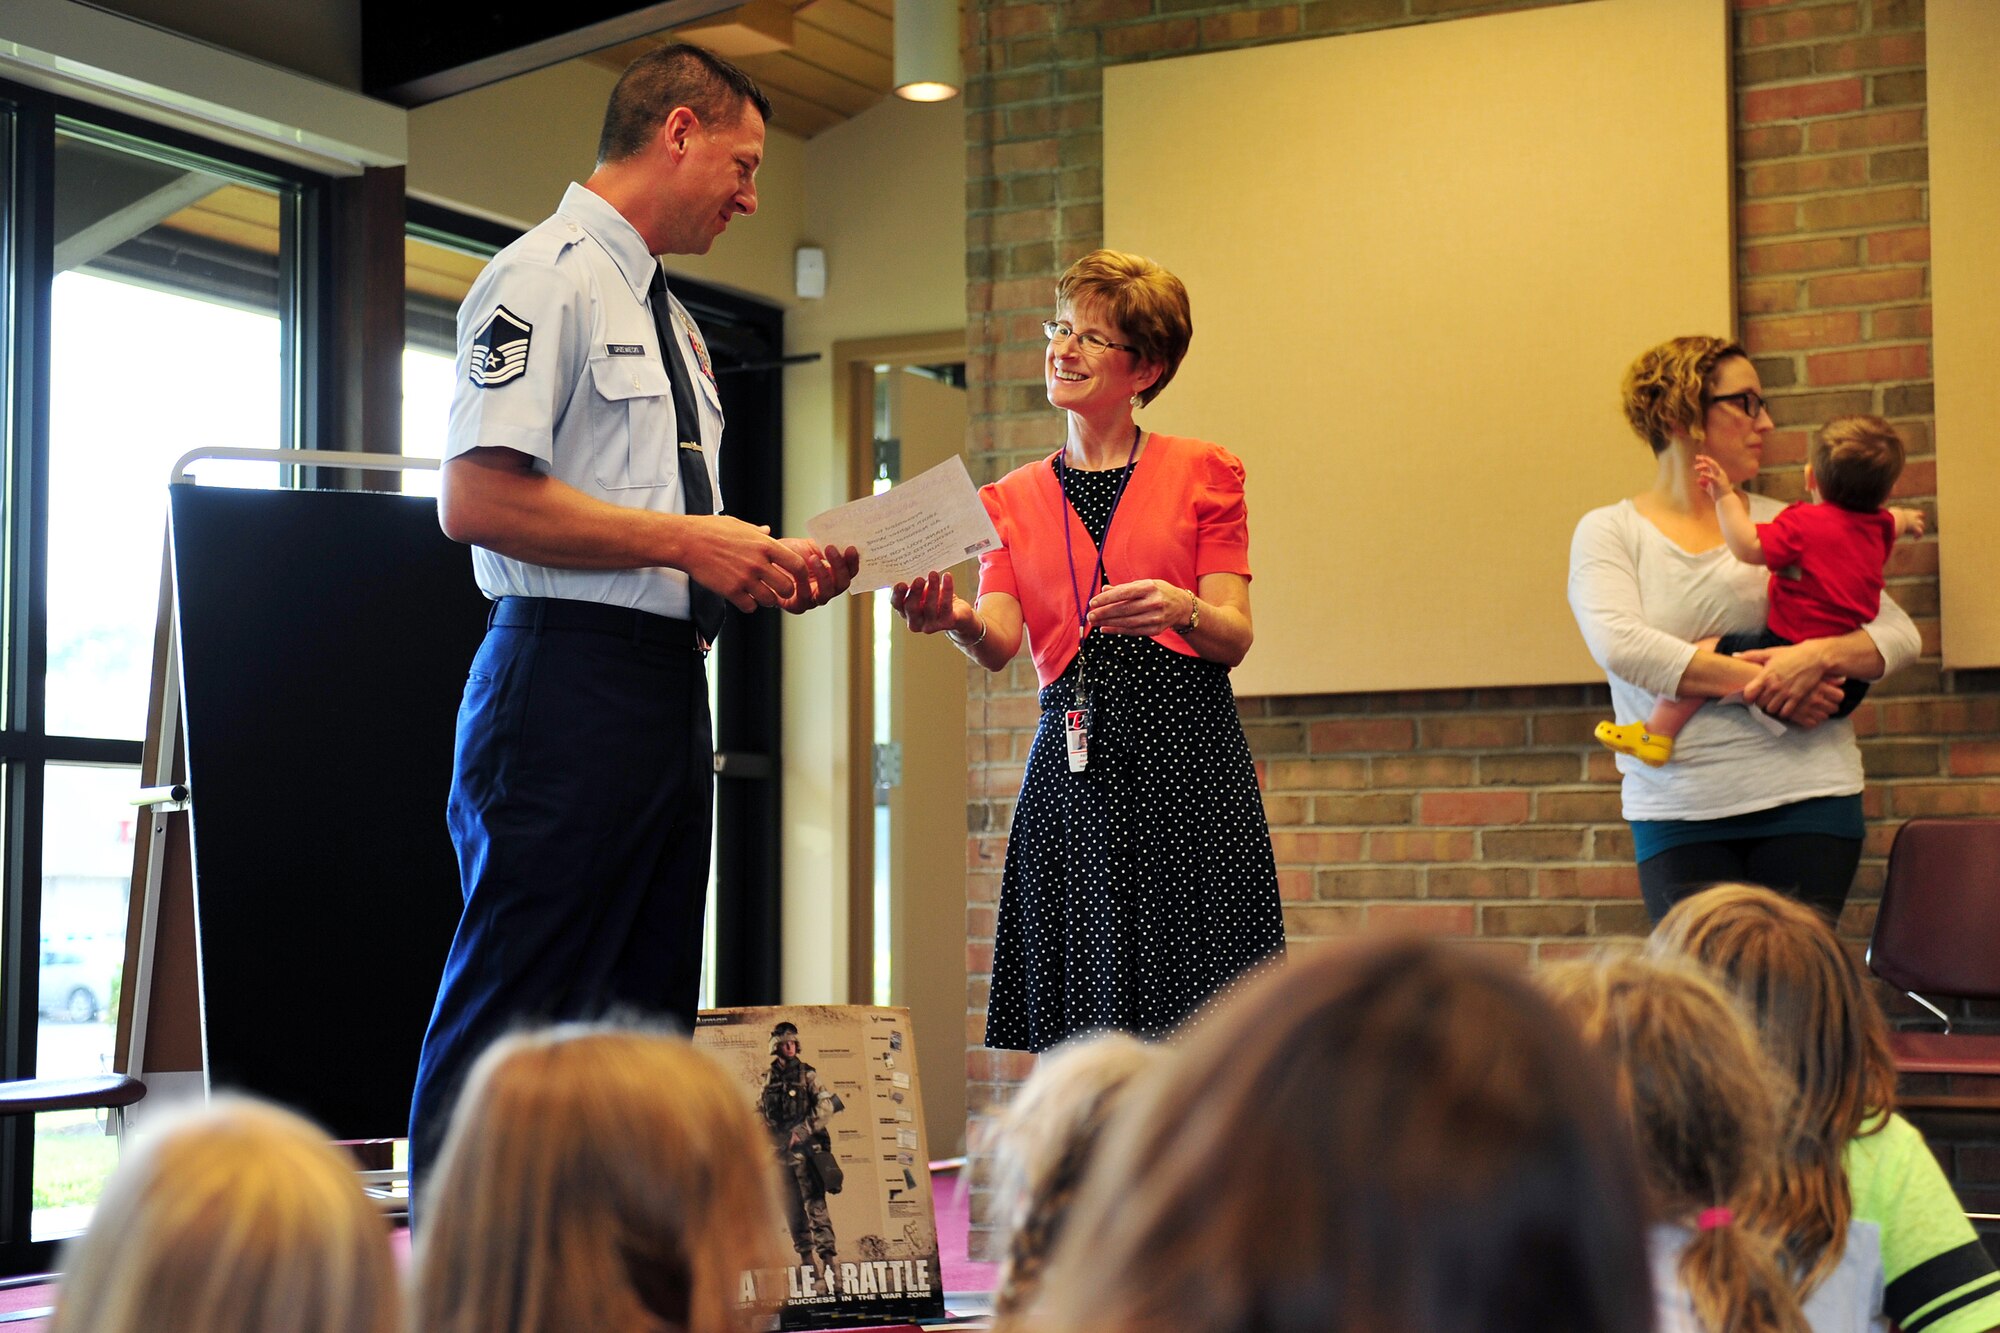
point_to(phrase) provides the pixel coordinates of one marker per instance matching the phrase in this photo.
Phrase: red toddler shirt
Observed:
(1826, 568)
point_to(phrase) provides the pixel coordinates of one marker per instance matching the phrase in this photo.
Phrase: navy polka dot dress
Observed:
(1136, 891)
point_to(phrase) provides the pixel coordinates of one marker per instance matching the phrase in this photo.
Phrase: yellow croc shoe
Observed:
(1635, 740)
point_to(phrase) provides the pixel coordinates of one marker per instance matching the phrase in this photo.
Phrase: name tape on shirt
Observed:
(499, 349)
(624, 349)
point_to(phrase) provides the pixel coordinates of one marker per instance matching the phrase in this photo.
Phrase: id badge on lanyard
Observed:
(1078, 717)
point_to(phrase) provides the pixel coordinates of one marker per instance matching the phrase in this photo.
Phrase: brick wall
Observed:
(1491, 813)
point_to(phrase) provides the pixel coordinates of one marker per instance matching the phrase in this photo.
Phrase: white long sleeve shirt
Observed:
(1641, 602)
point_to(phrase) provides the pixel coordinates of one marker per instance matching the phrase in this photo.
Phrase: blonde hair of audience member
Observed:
(1704, 1106)
(1044, 1142)
(597, 1178)
(1822, 1029)
(1397, 1135)
(237, 1217)
(1665, 391)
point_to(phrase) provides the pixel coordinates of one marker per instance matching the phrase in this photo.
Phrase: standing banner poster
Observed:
(836, 1087)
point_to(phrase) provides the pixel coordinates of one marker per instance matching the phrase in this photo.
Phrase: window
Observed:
(443, 253)
(156, 296)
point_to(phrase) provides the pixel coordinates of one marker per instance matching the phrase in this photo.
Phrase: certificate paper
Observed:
(932, 521)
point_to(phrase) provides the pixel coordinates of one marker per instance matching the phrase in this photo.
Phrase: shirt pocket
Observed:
(637, 404)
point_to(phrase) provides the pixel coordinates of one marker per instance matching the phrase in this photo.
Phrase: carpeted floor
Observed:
(968, 1286)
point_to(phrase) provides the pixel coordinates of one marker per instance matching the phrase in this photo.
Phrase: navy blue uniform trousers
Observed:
(581, 807)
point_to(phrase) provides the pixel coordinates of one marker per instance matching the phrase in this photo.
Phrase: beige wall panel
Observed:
(322, 39)
(886, 198)
(508, 151)
(1420, 260)
(927, 811)
(1964, 44)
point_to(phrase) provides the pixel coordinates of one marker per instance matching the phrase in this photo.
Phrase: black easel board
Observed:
(324, 641)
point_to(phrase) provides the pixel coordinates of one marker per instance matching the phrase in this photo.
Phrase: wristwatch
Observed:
(1193, 620)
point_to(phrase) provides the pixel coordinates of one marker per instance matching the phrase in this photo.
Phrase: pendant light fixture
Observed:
(927, 60)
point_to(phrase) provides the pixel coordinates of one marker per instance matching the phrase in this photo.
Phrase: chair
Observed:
(1938, 931)
(32, 1096)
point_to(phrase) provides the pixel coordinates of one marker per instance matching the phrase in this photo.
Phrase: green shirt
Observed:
(1940, 1278)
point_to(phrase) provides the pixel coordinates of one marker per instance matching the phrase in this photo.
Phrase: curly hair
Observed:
(1147, 303)
(1665, 389)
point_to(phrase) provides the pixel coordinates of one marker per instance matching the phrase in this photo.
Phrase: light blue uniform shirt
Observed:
(584, 392)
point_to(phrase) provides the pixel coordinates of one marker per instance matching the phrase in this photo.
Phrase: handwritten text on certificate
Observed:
(932, 521)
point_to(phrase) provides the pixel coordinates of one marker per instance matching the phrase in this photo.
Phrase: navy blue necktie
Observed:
(704, 607)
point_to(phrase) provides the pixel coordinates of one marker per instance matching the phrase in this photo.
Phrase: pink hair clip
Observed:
(1711, 1218)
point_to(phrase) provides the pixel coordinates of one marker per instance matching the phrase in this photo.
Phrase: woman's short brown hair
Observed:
(599, 1178)
(1148, 304)
(1384, 1135)
(1666, 388)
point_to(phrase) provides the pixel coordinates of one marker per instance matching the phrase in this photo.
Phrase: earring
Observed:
(1138, 400)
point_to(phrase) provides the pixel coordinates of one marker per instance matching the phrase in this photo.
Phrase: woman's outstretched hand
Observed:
(928, 605)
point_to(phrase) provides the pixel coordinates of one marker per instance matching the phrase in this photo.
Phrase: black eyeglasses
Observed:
(1749, 402)
(1091, 344)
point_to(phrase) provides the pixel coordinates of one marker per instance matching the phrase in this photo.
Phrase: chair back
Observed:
(1938, 930)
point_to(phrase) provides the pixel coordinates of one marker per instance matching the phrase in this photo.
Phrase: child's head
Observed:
(1395, 1134)
(1855, 462)
(1704, 1105)
(1822, 1029)
(237, 1217)
(1045, 1140)
(596, 1178)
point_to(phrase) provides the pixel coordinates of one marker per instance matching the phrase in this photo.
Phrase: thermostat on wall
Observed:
(811, 272)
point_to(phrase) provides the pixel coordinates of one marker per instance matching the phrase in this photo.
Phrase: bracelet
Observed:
(1194, 617)
(969, 644)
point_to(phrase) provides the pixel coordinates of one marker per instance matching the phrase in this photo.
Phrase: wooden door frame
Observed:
(854, 363)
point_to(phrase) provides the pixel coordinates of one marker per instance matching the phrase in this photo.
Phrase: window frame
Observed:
(33, 119)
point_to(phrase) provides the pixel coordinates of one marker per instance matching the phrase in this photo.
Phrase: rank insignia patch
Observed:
(499, 349)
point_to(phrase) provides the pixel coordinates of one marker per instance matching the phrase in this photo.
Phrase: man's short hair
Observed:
(1855, 462)
(677, 75)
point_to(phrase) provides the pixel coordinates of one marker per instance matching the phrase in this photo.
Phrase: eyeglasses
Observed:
(1091, 344)
(1749, 402)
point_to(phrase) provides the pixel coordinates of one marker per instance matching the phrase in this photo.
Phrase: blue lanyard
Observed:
(1069, 551)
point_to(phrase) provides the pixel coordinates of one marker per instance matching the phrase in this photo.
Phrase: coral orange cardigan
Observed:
(1182, 516)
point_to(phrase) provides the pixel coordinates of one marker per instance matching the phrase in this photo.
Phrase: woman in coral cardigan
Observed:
(1139, 882)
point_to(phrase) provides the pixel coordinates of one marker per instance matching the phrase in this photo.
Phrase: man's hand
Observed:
(828, 572)
(743, 564)
(1794, 684)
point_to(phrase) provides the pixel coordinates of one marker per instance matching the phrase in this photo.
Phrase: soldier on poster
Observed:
(795, 1107)
(836, 1087)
